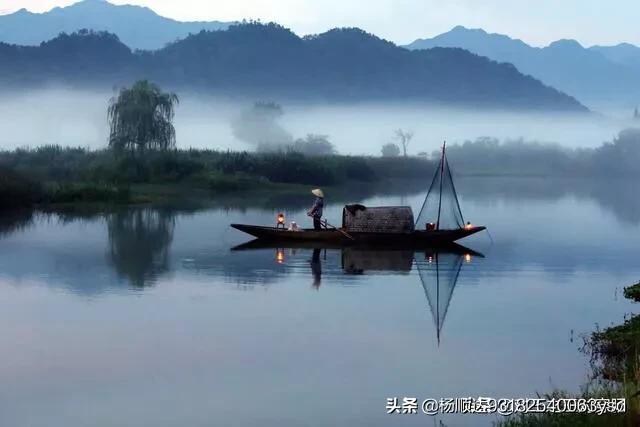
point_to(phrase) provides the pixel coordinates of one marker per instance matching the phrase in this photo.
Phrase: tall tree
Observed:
(141, 117)
(404, 137)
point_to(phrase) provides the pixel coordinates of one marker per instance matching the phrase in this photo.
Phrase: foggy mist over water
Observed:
(79, 118)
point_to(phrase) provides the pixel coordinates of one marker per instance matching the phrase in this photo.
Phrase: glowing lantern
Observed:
(467, 257)
(280, 220)
(468, 226)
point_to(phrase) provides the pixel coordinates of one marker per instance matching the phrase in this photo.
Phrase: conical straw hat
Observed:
(317, 192)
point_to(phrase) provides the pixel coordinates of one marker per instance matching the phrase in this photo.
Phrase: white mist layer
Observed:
(79, 118)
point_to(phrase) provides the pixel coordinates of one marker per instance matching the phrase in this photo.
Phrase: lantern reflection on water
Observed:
(280, 256)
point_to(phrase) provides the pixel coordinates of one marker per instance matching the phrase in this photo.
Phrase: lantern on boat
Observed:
(468, 226)
(431, 226)
(467, 258)
(280, 220)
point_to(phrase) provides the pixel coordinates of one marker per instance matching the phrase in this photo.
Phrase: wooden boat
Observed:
(417, 237)
(392, 225)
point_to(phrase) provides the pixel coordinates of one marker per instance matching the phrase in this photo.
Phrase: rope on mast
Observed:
(455, 194)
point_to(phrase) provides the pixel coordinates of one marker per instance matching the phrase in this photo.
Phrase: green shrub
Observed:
(224, 183)
(17, 190)
(86, 193)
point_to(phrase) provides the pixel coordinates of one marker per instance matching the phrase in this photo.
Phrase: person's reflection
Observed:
(316, 269)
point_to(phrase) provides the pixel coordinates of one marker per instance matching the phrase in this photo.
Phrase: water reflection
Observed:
(619, 196)
(13, 221)
(316, 269)
(439, 272)
(360, 260)
(438, 268)
(139, 243)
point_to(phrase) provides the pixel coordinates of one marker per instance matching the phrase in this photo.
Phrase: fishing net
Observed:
(441, 206)
(439, 273)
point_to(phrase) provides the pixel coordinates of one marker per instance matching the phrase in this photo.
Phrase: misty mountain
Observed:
(623, 53)
(269, 61)
(596, 75)
(261, 61)
(137, 27)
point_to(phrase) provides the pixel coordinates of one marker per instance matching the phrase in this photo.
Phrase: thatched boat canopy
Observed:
(387, 219)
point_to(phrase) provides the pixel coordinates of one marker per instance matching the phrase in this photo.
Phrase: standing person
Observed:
(316, 210)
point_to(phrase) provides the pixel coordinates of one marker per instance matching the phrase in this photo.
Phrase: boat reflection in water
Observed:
(439, 272)
(438, 268)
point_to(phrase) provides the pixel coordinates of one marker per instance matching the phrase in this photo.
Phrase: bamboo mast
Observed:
(441, 178)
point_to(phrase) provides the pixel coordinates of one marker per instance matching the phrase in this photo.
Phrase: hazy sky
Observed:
(537, 22)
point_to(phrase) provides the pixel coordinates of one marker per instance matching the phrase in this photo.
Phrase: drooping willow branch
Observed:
(141, 117)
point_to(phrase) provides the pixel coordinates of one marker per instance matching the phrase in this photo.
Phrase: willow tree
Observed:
(141, 117)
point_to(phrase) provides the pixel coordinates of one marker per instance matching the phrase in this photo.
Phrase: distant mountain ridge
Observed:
(137, 27)
(623, 53)
(261, 61)
(593, 75)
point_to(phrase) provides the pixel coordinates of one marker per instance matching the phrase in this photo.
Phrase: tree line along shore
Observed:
(142, 163)
(53, 174)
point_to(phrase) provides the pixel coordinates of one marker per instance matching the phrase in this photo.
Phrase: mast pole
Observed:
(437, 299)
(441, 178)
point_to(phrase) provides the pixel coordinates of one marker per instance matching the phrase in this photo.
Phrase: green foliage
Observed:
(615, 361)
(141, 118)
(221, 183)
(616, 349)
(632, 292)
(549, 419)
(390, 150)
(87, 193)
(620, 157)
(313, 145)
(65, 175)
(16, 190)
(295, 168)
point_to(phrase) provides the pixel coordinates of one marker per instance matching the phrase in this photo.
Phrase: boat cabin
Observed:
(385, 219)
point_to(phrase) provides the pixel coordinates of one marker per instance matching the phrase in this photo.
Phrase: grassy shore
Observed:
(615, 363)
(54, 175)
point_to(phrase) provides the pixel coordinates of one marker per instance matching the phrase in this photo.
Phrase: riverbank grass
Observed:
(615, 363)
(54, 174)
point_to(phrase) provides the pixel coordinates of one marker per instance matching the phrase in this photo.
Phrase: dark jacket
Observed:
(316, 210)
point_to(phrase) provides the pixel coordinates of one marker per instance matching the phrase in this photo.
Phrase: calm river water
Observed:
(145, 317)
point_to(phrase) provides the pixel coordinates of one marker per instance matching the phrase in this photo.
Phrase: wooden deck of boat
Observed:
(328, 235)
